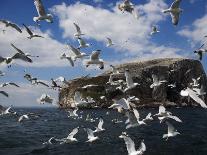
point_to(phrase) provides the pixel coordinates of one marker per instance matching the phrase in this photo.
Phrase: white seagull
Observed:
(21, 118)
(131, 146)
(82, 43)
(174, 11)
(6, 111)
(91, 137)
(10, 24)
(163, 118)
(172, 132)
(122, 103)
(100, 126)
(129, 81)
(154, 30)
(64, 56)
(31, 34)
(156, 81)
(78, 31)
(95, 60)
(73, 113)
(42, 15)
(109, 42)
(162, 112)
(77, 52)
(148, 118)
(44, 98)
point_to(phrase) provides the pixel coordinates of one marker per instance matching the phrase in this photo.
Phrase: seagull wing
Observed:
(129, 80)
(95, 55)
(73, 133)
(74, 50)
(77, 28)
(71, 61)
(90, 133)
(175, 18)
(13, 84)
(136, 114)
(129, 144)
(171, 128)
(15, 27)
(81, 41)
(175, 4)
(4, 93)
(22, 57)
(109, 41)
(42, 83)
(7, 110)
(100, 124)
(124, 103)
(4, 21)
(142, 147)
(175, 118)
(161, 109)
(194, 96)
(28, 30)
(17, 49)
(39, 7)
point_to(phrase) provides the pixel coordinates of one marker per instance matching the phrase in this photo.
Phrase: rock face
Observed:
(176, 71)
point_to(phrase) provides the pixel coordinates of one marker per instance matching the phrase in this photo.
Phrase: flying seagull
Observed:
(21, 118)
(77, 52)
(174, 11)
(109, 42)
(31, 34)
(154, 30)
(129, 81)
(131, 146)
(69, 58)
(78, 31)
(45, 99)
(82, 43)
(73, 113)
(172, 132)
(95, 60)
(156, 81)
(10, 24)
(41, 12)
(100, 126)
(91, 137)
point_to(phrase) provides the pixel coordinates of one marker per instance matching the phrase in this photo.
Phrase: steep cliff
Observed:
(176, 71)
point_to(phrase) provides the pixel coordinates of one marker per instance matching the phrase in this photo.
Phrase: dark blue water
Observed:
(27, 137)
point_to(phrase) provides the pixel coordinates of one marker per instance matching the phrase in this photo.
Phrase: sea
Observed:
(27, 137)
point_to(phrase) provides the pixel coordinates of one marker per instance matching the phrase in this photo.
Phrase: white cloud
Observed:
(98, 23)
(47, 48)
(195, 33)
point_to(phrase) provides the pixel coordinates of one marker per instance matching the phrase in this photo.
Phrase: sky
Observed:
(98, 19)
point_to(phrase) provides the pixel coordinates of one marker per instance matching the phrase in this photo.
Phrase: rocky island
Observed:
(177, 72)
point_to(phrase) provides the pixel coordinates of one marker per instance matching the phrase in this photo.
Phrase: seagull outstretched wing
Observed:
(73, 133)
(39, 7)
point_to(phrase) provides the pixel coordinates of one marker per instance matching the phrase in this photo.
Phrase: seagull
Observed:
(77, 52)
(73, 113)
(2, 73)
(189, 92)
(49, 141)
(174, 11)
(37, 82)
(95, 60)
(156, 81)
(109, 42)
(172, 132)
(148, 118)
(133, 119)
(7, 111)
(54, 84)
(31, 34)
(30, 78)
(41, 12)
(10, 24)
(61, 79)
(129, 81)
(162, 112)
(9, 83)
(78, 31)
(154, 30)
(91, 137)
(21, 55)
(163, 118)
(70, 138)
(122, 103)
(100, 126)
(126, 6)
(4, 93)
(23, 117)
(131, 146)
(195, 82)
(6, 60)
(64, 56)
(45, 99)
(82, 43)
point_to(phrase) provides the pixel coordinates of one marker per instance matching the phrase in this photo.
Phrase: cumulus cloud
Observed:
(129, 34)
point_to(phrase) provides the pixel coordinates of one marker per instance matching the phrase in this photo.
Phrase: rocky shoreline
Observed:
(176, 71)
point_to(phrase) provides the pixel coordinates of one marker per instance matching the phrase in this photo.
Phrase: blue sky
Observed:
(98, 19)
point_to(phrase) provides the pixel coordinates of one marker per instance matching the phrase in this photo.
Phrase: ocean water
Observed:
(26, 138)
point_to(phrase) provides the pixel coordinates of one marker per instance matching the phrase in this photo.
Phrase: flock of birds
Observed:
(195, 92)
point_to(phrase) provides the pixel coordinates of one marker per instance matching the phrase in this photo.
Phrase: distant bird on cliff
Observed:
(95, 60)
(78, 31)
(172, 132)
(129, 81)
(44, 98)
(192, 94)
(82, 43)
(109, 42)
(131, 146)
(42, 15)
(77, 52)
(156, 81)
(8, 83)
(70, 138)
(21, 118)
(91, 137)
(4, 93)
(99, 128)
(154, 30)
(31, 34)
(10, 24)
(69, 58)
(195, 82)
(174, 11)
